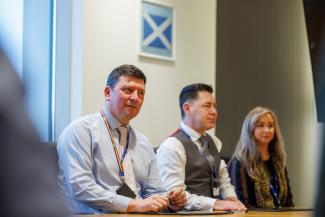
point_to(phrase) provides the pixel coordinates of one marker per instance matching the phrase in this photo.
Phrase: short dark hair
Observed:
(191, 92)
(124, 70)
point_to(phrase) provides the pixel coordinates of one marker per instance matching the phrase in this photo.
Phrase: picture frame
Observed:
(157, 30)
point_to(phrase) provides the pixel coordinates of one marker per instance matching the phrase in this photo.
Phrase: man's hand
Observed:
(177, 199)
(229, 204)
(154, 203)
(235, 199)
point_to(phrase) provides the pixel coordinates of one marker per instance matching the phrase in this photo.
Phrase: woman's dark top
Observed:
(245, 186)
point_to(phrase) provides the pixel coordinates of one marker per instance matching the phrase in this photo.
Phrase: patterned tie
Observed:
(205, 145)
(127, 163)
(212, 162)
(205, 150)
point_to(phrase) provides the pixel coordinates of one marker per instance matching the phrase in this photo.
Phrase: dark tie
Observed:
(205, 150)
(212, 162)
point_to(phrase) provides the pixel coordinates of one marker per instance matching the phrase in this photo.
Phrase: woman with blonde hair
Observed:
(258, 166)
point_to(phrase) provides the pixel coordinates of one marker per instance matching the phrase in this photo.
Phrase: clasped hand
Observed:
(175, 200)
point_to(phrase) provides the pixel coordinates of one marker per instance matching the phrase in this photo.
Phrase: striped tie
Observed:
(127, 163)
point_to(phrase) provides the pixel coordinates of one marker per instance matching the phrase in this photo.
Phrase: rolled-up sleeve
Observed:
(226, 188)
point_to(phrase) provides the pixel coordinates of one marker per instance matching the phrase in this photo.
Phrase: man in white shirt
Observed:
(190, 157)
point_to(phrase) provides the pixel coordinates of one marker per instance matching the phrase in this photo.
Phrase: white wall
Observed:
(110, 38)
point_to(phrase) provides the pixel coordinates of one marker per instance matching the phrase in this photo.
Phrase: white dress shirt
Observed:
(171, 161)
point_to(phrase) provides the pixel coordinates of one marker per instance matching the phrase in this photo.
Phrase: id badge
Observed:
(126, 191)
(215, 192)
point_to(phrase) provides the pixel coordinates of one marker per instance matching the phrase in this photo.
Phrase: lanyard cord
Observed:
(275, 190)
(119, 160)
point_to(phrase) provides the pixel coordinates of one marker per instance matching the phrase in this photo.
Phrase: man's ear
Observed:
(107, 92)
(186, 108)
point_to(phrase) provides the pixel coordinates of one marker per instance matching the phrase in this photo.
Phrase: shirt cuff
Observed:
(121, 203)
(208, 204)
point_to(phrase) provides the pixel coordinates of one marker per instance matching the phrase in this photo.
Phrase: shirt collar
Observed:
(190, 132)
(113, 122)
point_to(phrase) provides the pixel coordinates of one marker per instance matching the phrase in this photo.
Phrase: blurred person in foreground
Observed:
(28, 183)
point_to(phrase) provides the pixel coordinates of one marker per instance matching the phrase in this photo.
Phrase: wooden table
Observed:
(247, 214)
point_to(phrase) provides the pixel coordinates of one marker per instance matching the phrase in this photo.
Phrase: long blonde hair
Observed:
(247, 152)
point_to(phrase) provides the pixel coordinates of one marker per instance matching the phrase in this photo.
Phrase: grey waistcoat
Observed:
(198, 177)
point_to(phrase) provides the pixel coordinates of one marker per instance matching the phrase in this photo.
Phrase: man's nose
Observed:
(214, 111)
(135, 95)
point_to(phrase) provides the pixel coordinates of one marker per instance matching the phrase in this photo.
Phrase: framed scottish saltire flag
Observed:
(157, 30)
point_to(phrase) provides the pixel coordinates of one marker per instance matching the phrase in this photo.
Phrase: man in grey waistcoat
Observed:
(190, 157)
